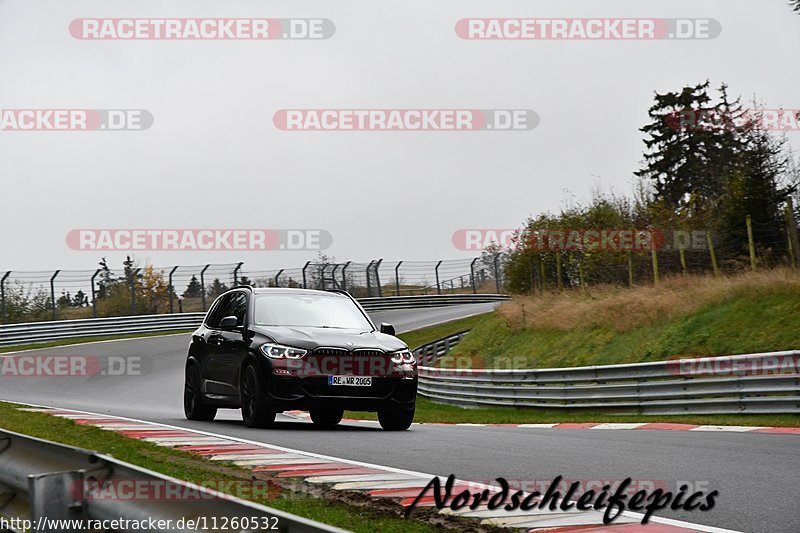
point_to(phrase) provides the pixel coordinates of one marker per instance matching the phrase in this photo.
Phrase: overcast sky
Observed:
(214, 159)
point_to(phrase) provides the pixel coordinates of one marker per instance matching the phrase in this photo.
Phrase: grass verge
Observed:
(195, 469)
(430, 412)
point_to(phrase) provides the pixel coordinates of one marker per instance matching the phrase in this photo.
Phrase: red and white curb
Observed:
(652, 426)
(374, 480)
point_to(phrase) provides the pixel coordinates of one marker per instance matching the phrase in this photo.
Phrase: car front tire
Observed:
(193, 406)
(393, 419)
(255, 411)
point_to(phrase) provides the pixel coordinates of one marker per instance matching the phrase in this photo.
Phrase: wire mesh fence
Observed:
(146, 289)
(563, 258)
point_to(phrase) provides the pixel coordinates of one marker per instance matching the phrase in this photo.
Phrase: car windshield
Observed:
(309, 310)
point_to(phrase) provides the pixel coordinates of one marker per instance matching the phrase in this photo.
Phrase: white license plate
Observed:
(350, 381)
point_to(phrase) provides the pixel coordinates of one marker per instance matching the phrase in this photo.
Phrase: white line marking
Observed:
(388, 469)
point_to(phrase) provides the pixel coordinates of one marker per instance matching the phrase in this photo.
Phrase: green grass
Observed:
(195, 469)
(430, 412)
(82, 340)
(418, 337)
(741, 323)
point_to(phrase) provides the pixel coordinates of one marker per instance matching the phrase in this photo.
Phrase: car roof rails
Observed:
(248, 287)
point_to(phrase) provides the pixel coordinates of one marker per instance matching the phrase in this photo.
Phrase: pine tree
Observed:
(216, 288)
(194, 289)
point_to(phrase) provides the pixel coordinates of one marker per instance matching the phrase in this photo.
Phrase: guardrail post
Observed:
(172, 289)
(305, 283)
(203, 285)
(94, 294)
(369, 285)
(344, 276)
(397, 278)
(236, 274)
(438, 287)
(497, 272)
(472, 276)
(378, 278)
(53, 293)
(277, 276)
(3, 296)
(133, 290)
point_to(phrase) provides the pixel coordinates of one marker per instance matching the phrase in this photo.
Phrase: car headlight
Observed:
(403, 356)
(279, 351)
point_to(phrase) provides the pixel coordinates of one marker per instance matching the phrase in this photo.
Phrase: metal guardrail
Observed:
(37, 332)
(45, 480)
(767, 383)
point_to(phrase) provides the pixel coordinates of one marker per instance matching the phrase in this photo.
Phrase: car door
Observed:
(213, 374)
(234, 348)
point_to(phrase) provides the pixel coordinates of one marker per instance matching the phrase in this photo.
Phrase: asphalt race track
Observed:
(755, 474)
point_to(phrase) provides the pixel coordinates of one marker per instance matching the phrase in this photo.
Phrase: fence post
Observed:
(792, 223)
(497, 272)
(94, 293)
(236, 274)
(541, 275)
(438, 287)
(750, 243)
(378, 277)
(305, 283)
(3, 296)
(172, 289)
(203, 285)
(278, 275)
(344, 276)
(654, 254)
(369, 284)
(630, 269)
(53, 292)
(710, 241)
(134, 273)
(472, 276)
(558, 271)
(397, 278)
(682, 252)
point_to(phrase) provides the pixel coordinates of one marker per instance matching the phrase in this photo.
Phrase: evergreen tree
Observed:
(216, 288)
(194, 289)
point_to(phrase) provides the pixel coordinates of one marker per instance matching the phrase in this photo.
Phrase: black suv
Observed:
(266, 351)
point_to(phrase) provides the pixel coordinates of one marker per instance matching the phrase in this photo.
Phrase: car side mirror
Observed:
(229, 322)
(387, 328)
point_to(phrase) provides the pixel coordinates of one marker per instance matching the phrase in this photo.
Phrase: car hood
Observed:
(348, 339)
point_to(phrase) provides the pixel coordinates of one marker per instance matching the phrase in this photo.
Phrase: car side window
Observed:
(217, 312)
(238, 308)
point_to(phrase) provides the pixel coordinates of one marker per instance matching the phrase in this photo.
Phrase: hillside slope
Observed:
(683, 316)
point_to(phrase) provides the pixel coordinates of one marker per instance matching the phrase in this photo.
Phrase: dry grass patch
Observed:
(624, 309)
